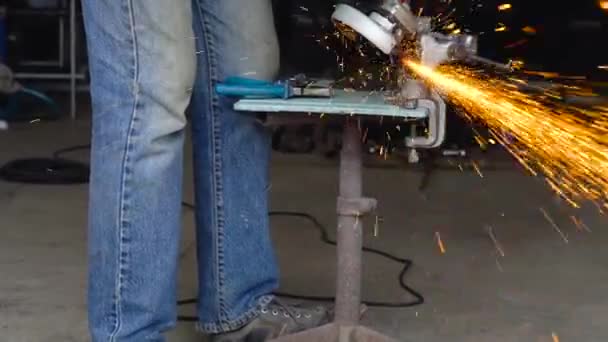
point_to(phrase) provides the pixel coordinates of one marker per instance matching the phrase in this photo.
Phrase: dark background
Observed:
(571, 35)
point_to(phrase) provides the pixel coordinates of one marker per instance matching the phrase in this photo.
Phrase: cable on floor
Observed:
(59, 153)
(49, 171)
(59, 170)
(324, 237)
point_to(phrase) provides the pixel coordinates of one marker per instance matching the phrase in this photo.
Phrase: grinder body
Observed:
(390, 22)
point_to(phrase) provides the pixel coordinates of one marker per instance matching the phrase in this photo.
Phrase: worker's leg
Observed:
(237, 267)
(142, 62)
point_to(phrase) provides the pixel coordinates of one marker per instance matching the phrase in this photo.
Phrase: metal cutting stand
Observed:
(351, 204)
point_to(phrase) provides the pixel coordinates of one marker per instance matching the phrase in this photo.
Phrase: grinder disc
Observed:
(379, 36)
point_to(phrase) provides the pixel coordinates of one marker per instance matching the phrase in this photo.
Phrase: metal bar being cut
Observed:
(342, 103)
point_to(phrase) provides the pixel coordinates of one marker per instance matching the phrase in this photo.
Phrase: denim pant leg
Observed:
(142, 63)
(237, 266)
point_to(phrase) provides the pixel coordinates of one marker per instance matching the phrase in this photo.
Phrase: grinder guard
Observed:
(385, 25)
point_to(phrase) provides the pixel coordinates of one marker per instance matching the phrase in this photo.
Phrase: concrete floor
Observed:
(542, 286)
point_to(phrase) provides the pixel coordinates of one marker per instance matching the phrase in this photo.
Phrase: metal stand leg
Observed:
(351, 208)
(350, 228)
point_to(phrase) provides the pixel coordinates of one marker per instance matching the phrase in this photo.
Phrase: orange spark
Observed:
(568, 145)
(555, 337)
(440, 243)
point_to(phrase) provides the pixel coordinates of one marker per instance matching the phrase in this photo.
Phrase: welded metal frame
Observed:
(72, 75)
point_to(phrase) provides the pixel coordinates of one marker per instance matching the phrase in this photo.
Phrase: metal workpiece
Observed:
(412, 90)
(437, 48)
(490, 63)
(344, 103)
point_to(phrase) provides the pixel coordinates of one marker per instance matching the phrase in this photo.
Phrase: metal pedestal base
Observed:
(338, 333)
(351, 207)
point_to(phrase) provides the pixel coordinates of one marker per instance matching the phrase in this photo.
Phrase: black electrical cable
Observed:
(324, 235)
(53, 171)
(45, 171)
(59, 153)
(406, 263)
(64, 171)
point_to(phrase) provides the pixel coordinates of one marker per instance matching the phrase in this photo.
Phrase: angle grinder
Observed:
(390, 22)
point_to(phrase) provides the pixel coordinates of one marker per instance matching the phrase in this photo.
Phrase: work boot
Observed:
(275, 320)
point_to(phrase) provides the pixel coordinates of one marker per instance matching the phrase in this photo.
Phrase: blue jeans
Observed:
(149, 60)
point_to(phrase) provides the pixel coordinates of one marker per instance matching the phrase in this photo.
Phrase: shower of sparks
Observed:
(554, 225)
(568, 145)
(440, 243)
